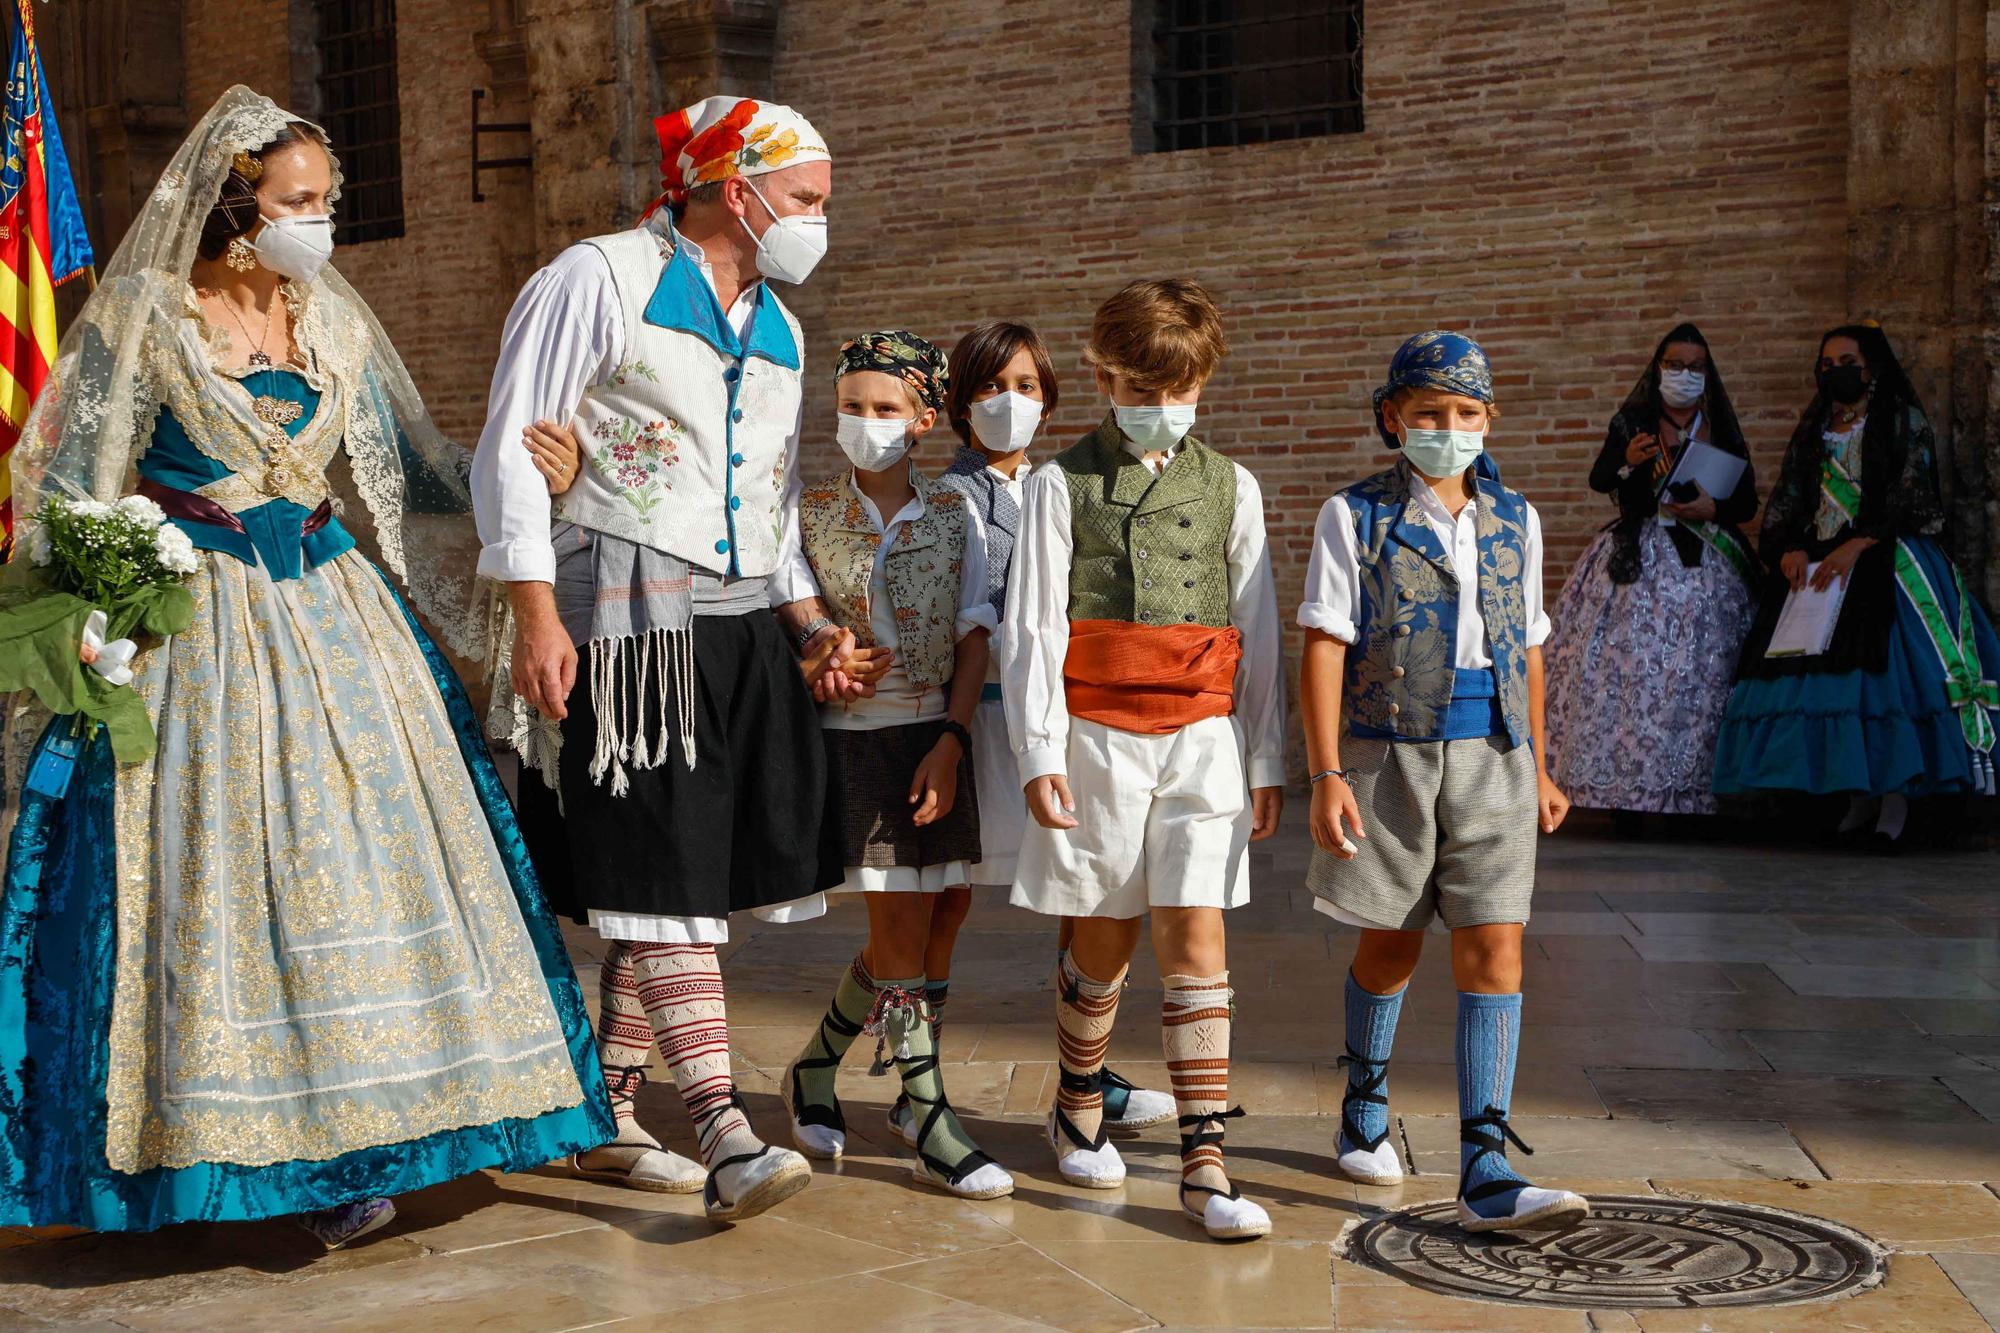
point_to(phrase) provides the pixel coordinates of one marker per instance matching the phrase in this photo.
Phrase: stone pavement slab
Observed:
(1792, 1029)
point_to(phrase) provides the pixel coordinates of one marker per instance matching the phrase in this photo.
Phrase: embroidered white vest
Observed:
(923, 570)
(686, 442)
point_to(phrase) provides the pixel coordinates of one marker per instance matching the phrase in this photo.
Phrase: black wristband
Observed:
(952, 728)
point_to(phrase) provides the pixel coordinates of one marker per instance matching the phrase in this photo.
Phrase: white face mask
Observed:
(790, 248)
(873, 443)
(296, 246)
(1682, 388)
(1155, 429)
(1005, 422)
(1442, 453)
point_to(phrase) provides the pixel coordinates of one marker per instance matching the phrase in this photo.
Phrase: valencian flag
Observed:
(42, 243)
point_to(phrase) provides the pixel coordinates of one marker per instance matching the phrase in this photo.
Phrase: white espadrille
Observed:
(986, 1181)
(757, 1181)
(1535, 1209)
(1382, 1166)
(1099, 1168)
(822, 1142)
(639, 1165)
(1226, 1216)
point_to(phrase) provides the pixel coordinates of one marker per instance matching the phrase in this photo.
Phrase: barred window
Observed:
(1220, 72)
(355, 85)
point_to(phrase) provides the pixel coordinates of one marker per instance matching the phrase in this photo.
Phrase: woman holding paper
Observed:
(1901, 700)
(1649, 625)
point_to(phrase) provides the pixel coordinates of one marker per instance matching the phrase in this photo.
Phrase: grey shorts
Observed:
(1451, 833)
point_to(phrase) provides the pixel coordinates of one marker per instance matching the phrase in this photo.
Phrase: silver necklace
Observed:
(259, 358)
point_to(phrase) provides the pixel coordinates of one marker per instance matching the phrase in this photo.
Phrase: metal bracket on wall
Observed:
(479, 163)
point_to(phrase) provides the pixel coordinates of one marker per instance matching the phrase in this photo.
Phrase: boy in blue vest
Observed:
(1423, 618)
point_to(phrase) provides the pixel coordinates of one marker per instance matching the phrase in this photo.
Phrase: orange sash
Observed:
(1147, 679)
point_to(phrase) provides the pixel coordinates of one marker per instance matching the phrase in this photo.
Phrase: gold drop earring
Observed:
(240, 256)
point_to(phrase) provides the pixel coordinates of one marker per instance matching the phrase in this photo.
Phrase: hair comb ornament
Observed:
(246, 166)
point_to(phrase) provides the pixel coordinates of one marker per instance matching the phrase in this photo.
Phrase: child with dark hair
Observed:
(1001, 391)
(1423, 706)
(1650, 623)
(1140, 662)
(1902, 703)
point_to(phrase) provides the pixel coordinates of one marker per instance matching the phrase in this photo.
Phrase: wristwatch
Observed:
(952, 728)
(806, 635)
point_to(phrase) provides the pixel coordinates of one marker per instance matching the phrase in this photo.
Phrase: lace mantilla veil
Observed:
(139, 331)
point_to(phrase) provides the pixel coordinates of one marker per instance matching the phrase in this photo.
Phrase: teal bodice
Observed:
(274, 532)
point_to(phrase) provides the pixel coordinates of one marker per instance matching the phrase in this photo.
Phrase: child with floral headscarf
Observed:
(1424, 624)
(902, 568)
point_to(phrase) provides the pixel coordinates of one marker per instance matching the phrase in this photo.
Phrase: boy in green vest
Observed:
(1140, 667)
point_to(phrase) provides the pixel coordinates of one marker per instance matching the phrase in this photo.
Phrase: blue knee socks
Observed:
(1489, 1038)
(1371, 1030)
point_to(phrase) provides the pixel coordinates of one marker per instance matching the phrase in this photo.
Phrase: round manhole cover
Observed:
(1632, 1253)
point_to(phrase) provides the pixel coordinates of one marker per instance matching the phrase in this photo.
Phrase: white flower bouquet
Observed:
(96, 575)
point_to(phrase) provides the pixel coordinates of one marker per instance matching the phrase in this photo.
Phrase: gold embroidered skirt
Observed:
(318, 949)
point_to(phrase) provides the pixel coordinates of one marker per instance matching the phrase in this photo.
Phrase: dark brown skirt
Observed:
(868, 776)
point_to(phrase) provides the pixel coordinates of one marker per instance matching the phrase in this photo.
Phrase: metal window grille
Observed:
(358, 103)
(1229, 72)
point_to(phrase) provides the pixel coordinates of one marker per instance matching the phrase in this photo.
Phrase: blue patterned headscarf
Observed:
(1436, 360)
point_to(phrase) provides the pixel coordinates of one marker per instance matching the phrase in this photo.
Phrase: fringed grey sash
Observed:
(632, 609)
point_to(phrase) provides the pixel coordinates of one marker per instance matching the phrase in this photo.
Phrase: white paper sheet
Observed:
(1807, 620)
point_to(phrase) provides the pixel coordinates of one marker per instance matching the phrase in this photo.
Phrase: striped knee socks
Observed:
(1194, 1031)
(680, 987)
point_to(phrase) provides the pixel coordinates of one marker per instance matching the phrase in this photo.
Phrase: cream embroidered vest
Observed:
(923, 570)
(687, 443)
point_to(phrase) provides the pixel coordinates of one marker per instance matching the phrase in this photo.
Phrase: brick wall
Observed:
(1562, 181)
(443, 289)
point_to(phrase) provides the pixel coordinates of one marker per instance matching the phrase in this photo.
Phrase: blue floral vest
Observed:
(1400, 677)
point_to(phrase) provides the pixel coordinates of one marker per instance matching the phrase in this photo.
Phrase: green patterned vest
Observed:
(1148, 548)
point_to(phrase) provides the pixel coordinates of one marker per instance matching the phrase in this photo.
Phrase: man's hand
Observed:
(839, 671)
(1332, 802)
(1266, 805)
(1050, 803)
(1554, 805)
(821, 652)
(935, 788)
(544, 657)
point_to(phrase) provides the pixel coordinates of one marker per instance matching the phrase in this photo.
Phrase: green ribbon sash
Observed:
(1725, 543)
(1840, 488)
(1971, 692)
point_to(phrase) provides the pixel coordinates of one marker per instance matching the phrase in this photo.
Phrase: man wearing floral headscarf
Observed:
(684, 758)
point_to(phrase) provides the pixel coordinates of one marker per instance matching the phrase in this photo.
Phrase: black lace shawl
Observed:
(1899, 497)
(1636, 492)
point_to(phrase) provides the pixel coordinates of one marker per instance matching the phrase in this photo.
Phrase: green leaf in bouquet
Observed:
(39, 639)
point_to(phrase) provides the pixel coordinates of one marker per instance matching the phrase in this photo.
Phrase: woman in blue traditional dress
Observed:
(297, 962)
(1903, 702)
